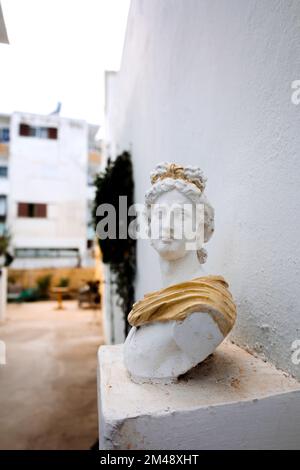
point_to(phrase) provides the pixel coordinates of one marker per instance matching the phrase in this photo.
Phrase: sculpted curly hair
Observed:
(187, 187)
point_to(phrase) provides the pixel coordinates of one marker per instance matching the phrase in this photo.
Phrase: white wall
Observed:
(113, 317)
(52, 172)
(3, 294)
(208, 82)
(4, 185)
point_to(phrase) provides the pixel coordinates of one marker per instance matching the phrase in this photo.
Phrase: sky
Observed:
(59, 51)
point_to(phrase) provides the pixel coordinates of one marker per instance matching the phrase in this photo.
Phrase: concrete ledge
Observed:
(231, 401)
(3, 293)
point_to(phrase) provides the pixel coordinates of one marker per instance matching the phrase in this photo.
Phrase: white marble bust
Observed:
(176, 328)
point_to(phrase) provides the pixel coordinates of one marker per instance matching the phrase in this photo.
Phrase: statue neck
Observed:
(179, 270)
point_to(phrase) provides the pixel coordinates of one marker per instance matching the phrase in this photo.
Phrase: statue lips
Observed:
(167, 240)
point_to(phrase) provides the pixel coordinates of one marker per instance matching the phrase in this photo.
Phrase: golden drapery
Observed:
(203, 294)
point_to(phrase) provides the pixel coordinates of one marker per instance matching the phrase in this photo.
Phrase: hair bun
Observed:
(190, 174)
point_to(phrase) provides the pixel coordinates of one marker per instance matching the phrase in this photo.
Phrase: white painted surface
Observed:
(231, 401)
(3, 293)
(113, 317)
(209, 83)
(4, 186)
(161, 351)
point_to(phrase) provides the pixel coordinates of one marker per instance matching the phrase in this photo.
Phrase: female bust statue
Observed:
(177, 327)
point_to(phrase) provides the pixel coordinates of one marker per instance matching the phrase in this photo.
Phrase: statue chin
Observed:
(161, 351)
(169, 250)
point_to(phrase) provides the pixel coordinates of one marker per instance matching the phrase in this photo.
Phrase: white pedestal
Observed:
(3, 293)
(231, 401)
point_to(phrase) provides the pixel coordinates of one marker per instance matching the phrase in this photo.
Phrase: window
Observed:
(89, 244)
(52, 133)
(2, 207)
(4, 134)
(3, 171)
(32, 210)
(47, 252)
(40, 132)
(24, 130)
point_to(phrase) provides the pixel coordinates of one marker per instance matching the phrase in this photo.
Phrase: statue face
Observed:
(175, 225)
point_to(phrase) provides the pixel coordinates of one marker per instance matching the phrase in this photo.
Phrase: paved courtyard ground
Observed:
(48, 396)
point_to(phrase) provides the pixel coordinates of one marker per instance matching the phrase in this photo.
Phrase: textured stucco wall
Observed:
(3, 295)
(208, 82)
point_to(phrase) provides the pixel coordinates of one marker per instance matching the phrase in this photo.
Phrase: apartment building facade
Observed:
(46, 192)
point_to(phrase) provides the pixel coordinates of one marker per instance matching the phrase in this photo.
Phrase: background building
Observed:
(4, 182)
(46, 188)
